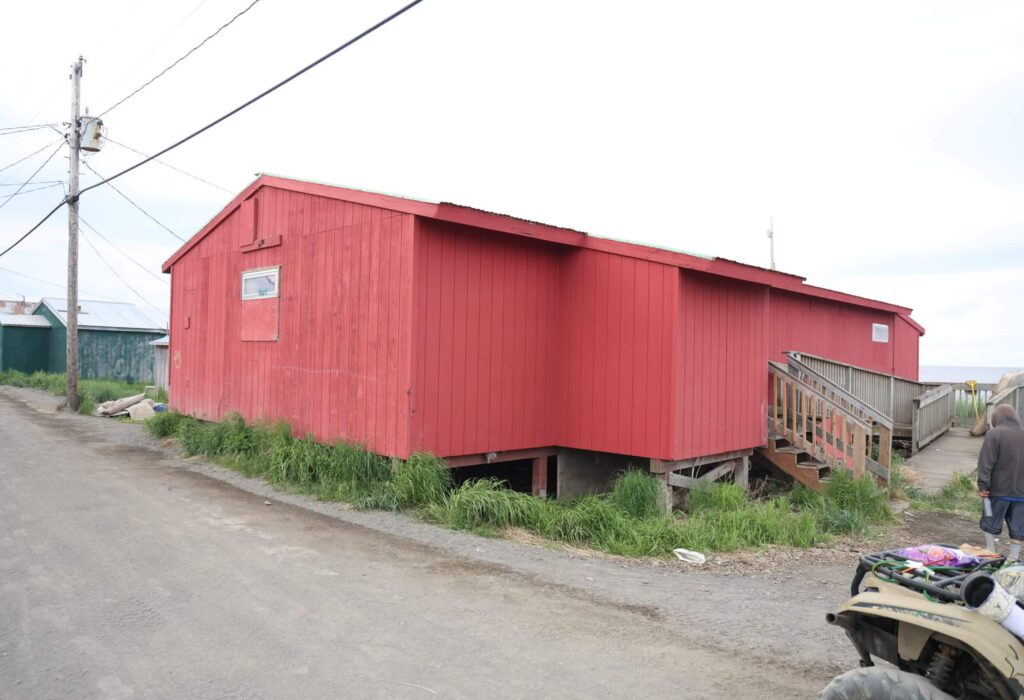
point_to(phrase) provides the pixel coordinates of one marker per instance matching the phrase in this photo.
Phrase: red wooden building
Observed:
(409, 325)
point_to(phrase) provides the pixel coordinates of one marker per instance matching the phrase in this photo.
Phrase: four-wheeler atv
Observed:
(916, 620)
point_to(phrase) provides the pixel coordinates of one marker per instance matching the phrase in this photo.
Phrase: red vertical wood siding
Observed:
(260, 319)
(616, 354)
(406, 332)
(485, 328)
(722, 386)
(837, 331)
(523, 344)
(907, 342)
(341, 366)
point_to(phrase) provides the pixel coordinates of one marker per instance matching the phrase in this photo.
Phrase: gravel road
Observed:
(126, 571)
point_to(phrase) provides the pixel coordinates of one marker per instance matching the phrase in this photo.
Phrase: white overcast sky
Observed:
(884, 138)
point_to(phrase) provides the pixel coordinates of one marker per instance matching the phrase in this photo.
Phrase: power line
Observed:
(168, 165)
(113, 270)
(179, 25)
(145, 269)
(17, 191)
(38, 182)
(8, 144)
(32, 230)
(187, 54)
(124, 18)
(93, 229)
(34, 189)
(236, 110)
(52, 284)
(14, 130)
(26, 126)
(20, 160)
(130, 201)
(350, 42)
(154, 46)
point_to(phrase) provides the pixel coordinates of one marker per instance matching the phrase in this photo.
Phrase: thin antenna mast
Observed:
(771, 240)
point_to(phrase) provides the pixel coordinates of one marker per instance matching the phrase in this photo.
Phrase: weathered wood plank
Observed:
(741, 475)
(688, 482)
(540, 477)
(658, 466)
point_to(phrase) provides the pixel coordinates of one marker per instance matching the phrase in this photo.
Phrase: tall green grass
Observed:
(628, 521)
(486, 502)
(971, 407)
(902, 480)
(91, 392)
(164, 425)
(959, 495)
(721, 517)
(847, 506)
(635, 493)
(342, 471)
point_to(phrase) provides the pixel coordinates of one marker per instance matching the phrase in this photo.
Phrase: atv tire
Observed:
(881, 683)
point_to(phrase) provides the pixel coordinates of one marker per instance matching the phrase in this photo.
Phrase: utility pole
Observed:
(75, 142)
(771, 240)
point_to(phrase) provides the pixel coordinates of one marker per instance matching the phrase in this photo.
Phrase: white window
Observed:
(261, 284)
(879, 333)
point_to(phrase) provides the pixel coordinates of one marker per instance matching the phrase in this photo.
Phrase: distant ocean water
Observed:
(984, 375)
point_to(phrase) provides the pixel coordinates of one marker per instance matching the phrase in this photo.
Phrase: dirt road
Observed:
(128, 572)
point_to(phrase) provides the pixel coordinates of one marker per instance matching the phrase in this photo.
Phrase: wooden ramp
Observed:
(955, 451)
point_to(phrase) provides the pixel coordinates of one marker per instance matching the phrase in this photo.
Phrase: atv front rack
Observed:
(939, 582)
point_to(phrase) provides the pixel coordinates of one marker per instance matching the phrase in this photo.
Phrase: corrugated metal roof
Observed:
(15, 306)
(756, 267)
(109, 315)
(23, 320)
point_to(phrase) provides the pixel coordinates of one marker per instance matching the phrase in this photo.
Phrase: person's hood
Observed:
(1005, 415)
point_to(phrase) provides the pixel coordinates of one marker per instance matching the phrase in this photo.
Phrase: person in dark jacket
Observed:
(1001, 479)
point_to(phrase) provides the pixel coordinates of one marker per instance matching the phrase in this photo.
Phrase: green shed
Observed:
(24, 343)
(113, 339)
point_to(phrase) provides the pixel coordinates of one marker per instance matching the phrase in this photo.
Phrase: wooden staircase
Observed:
(816, 427)
(801, 465)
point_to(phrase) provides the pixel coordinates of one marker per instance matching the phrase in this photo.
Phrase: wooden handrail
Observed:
(979, 387)
(994, 401)
(818, 424)
(846, 364)
(930, 418)
(782, 369)
(871, 412)
(886, 392)
(932, 395)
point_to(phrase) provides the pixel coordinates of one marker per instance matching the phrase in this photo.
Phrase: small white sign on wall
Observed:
(879, 333)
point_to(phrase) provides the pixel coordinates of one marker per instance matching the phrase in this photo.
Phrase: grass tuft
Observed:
(91, 392)
(422, 480)
(636, 493)
(485, 503)
(628, 521)
(717, 497)
(959, 495)
(847, 506)
(164, 425)
(902, 479)
(600, 523)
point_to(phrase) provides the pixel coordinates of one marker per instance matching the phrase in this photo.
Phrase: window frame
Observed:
(879, 333)
(274, 270)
